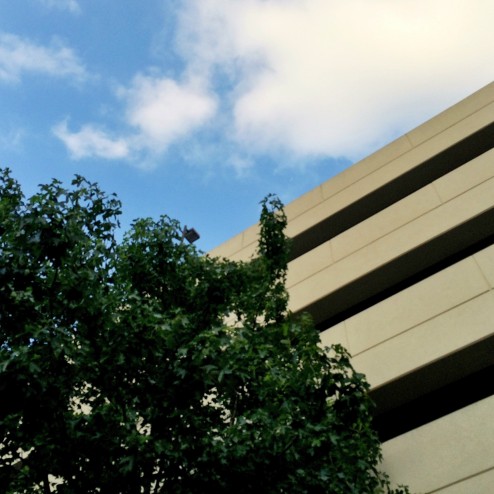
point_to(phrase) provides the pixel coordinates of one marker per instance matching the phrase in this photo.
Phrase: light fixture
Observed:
(190, 235)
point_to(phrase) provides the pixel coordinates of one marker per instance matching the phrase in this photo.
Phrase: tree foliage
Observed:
(120, 373)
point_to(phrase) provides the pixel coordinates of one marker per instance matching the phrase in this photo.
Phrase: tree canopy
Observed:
(144, 365)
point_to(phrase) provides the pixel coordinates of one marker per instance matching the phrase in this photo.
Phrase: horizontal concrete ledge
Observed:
(435, 167)
(415, 265)
(413, 220)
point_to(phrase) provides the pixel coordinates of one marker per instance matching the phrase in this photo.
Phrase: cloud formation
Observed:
(334, 77)
(158, 112)
(164, 110)
(91, 142)
(69, 5)
(19, 56)
(307, 78)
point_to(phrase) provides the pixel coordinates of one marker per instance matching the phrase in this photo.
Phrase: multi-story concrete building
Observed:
(394, 258)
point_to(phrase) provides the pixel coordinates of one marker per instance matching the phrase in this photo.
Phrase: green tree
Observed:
(119, 373)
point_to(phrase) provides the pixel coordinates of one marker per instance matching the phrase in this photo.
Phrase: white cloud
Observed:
(338, 77)
(69, 5)
(12, 138)
(163, 110)
(19, 55)
(91, 142)
(304, 78)
(158, 112)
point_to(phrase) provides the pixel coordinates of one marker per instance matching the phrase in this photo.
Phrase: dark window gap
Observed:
(436, 404)
(435, 390)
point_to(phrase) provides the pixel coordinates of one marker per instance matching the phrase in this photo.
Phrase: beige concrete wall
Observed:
(427, 321)
(451, 455)
(430, 320)
(398, 229)
(479, 483)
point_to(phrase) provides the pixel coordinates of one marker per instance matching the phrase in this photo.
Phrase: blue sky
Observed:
(199, 108)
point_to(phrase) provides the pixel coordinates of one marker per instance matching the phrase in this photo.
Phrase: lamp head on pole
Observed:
(190, 235)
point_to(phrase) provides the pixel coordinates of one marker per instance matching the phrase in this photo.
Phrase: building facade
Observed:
(394, 258)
